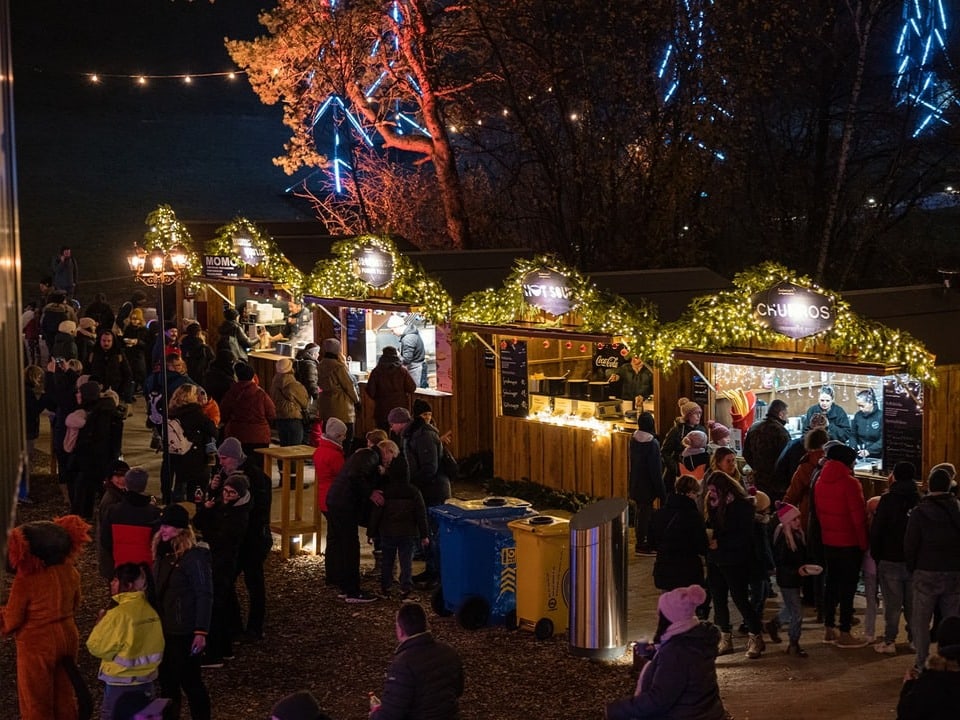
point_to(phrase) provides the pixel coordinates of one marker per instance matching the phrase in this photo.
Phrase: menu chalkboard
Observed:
(513, 378)
(357, 338)
(902, 422)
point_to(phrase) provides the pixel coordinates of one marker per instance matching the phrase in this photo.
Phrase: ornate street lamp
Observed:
(159, 268)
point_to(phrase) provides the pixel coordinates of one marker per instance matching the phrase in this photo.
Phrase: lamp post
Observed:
(159, 268)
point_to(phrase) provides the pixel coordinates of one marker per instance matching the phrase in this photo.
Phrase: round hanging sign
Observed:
(794, 311)
(374, 266)
(548, 290)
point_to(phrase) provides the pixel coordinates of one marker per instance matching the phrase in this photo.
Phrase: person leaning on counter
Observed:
(839, 424)
(635, 378)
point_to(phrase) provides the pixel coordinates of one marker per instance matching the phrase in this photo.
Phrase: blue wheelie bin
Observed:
(478, 563)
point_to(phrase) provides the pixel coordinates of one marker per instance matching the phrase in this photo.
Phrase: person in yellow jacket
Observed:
(128, 639)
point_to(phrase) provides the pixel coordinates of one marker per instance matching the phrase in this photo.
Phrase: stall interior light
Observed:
(599, 429)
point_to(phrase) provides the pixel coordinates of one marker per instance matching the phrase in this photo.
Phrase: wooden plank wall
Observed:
(941, 434)
(474, 401)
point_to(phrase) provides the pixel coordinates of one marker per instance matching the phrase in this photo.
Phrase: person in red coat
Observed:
(247, 411)
(841, 511)
(389, 386)
(327, 461)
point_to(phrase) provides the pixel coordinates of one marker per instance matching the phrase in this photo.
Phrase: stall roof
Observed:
(670, 289)
(928, 312)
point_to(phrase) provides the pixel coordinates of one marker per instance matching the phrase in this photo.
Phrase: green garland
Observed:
(601, 311)
(274, 265)
(715, 322)
(165, 231)
(337, 278)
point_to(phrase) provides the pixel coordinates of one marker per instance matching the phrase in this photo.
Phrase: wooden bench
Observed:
(295, 518)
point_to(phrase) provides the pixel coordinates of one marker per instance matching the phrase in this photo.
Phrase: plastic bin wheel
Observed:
(543, 630)
(473, 614)
(436, 602)
(510, 620)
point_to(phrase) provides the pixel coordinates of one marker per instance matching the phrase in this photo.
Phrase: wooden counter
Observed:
(264, 363)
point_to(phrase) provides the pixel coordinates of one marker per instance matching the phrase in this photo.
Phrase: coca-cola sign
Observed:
(794, 311)
(548, 290)
(374, 266)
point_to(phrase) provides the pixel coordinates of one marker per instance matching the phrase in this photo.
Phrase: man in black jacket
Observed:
(886, 546)
(425, 678)
(930, 550)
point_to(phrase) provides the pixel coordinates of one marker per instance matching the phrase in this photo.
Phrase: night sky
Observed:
(94, 159)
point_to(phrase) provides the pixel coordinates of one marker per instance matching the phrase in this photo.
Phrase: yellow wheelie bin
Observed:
(543, 574)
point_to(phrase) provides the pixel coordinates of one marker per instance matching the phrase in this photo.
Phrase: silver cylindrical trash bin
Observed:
(598, 580)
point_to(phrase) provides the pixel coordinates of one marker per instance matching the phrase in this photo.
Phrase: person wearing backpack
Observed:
(189, 432)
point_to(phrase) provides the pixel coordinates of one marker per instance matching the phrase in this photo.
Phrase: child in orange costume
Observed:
(40, 613)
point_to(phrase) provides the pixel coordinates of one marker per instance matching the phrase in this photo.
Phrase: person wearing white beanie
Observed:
(681, 678)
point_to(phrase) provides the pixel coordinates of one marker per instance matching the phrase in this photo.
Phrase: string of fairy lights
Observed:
(142, 79)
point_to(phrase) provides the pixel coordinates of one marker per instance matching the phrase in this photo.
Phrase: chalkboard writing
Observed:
(357, 339)
(513, 378)
(902, 422)
(701, 391)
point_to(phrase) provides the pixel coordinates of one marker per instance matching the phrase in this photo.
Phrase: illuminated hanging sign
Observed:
(248, 252)
(548, 290)
(794, 311)
(221, 266)
(373, 266)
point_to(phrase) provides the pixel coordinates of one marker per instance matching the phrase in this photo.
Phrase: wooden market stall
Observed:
(551, 336)
(777, 335)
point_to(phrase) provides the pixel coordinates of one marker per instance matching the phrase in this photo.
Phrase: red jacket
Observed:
(841, 509)
(247, 411)
(327, 461)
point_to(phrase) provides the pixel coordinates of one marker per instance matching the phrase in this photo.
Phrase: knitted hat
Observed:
(787, 512)
(89, 392)
(948, 638)
(420, 407)
(719, 434)
(687, 406)
(335, 430)
(843, 453)
(946, 467)
(694, 442)
(239, 482)
(390, 351)
(230, 448)
(762, 501)
(67, 326)
(332, 346)
(243, 371)
(939, 480)
(395, 321)
(818, 420)
(682, 603)
(904, 472)
(175, 515)
(136, 479)
(398, 416)
(284, 365)
(299, 706)
(88, 326)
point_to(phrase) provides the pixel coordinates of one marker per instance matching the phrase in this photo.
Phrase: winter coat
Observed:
(52, 315)
(102, 313)
(389, 386)
(839, 423)
(679, 683)
(679, 537)
(422, 448)
(128, 528)
(841, 510)
(338, 394)
(799, 491)
(199, 430)
(761, 448)
(65, 346)
(355, 482)
(411, 346)
(92, 455)
(289, 396)
(247, 412)
(787, 463)
(889, 526)
(734, 533)
(327, 462)
(111, 368)
(112, 495)
(867, 430)
(218, 380)
(305, 370)
(935, 695)
(257, 540)
(424, 681)
(233, 338)
(403, 513)
(788, 561)
(646, 471)
(933, 534)
(128, 639)
(184, 590)
(672, 446)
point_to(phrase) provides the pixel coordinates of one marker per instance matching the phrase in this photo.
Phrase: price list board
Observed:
(902, 422)
(514, 400)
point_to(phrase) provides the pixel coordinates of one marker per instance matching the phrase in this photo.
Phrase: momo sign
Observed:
(221, 266)
(374, 266)
(548, 290)
(794, 311)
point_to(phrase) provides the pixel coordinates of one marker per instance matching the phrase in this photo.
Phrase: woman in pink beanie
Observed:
(681, 679)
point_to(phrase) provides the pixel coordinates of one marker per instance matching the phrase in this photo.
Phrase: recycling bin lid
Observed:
(598, 513)
(541, 525)
(492, 507)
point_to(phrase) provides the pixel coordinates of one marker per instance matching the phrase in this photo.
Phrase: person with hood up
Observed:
(680, 681)
(232, 337)
(109, 366)
(89, 429)
(646, 478)
(389, 386)
(222, 521)
(930, 551)
(412, 352)
(338, 392)
(762, 447)
(672, 446)
(842, 514)
(678, 535)
(247, 411)
(220, 376)
(40, 614)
